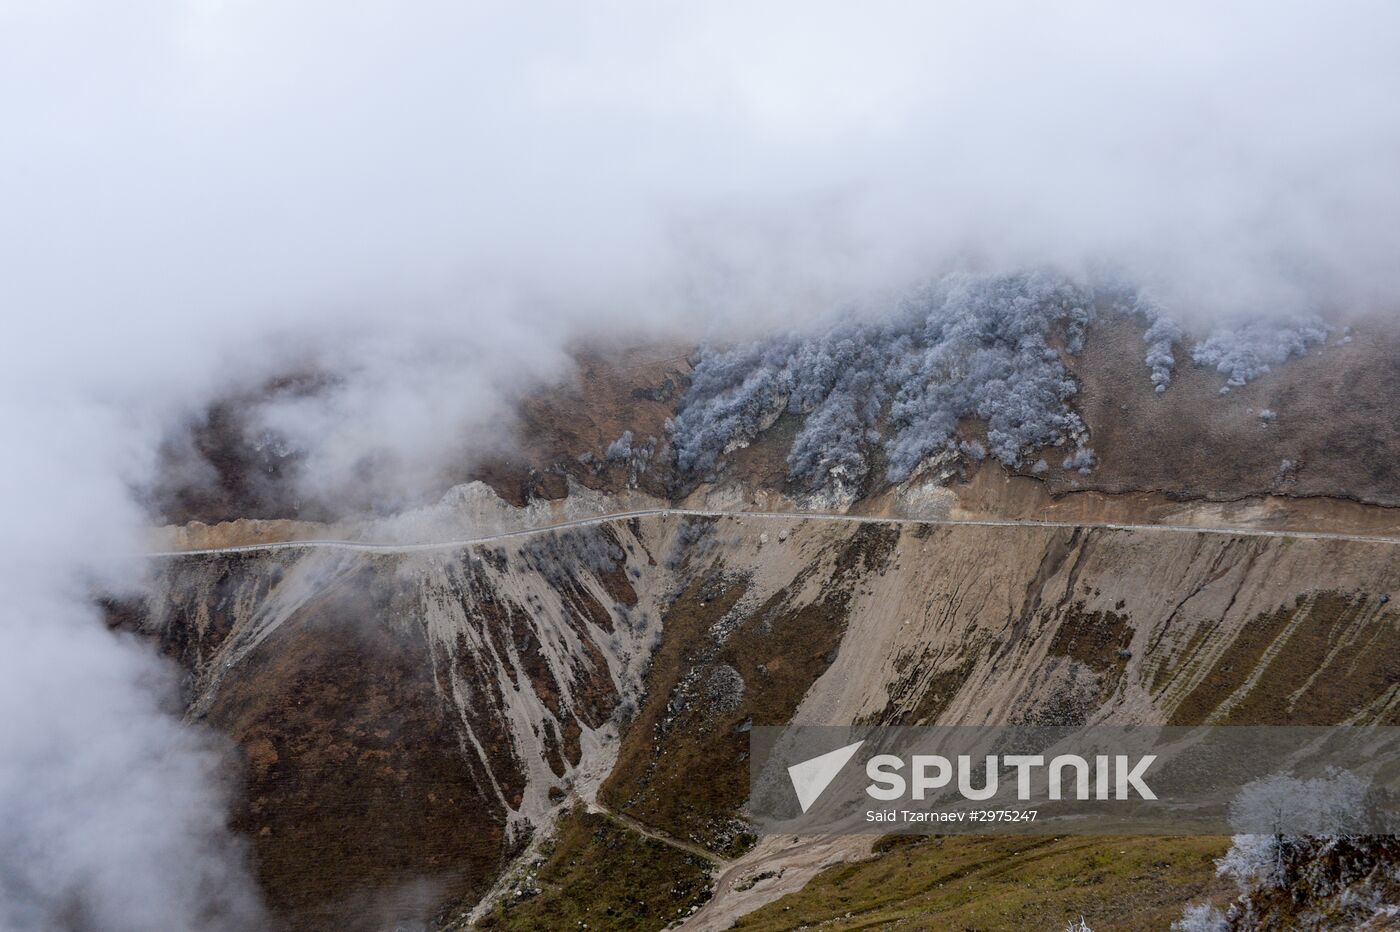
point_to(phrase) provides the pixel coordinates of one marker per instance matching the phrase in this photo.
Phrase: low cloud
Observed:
(432, 203)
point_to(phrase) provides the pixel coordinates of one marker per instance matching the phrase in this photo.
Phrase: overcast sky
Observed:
(435, 197)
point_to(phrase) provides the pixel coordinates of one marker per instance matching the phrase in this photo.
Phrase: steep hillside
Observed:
(1059, 397)
(962, 625)
(1313, 426)
(226, 464)
(410, 721)
(406, 721)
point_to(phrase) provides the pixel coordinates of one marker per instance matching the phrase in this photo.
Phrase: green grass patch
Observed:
(601, 875)
(1005, 883)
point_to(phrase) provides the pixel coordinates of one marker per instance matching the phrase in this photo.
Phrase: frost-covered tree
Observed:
(1241, 350)
(621, 448)
(1081, 459)
(627, 451)
(1246, 351)
(1324, 857)
(1161, 335)
(1335, 804)
(984, 352)
(961, 347)
(733, 395)
(973, 450)
(831, 445)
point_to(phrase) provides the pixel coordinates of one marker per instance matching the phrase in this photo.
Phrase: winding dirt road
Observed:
(641, 828)
(383, 547)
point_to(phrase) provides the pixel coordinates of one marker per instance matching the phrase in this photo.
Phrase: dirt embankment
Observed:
(240, 533)
(992, 492)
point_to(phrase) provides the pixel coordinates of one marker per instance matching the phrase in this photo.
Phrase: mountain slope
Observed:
(409, 721)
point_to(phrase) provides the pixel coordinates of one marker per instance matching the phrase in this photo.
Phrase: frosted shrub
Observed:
(693, 536)
(1202, 917)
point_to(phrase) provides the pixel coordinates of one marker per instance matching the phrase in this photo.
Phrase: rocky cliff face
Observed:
(408, 723)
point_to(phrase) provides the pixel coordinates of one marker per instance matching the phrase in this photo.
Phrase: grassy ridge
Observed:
(983, 883)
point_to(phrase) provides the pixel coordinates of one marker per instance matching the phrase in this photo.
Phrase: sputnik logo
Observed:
(811, 777)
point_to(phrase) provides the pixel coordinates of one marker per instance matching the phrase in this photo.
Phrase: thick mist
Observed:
(435, 201)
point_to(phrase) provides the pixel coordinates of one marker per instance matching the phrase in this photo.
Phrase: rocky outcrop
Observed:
(406, 721)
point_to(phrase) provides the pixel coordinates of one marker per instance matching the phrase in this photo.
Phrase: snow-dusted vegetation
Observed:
(626, 451)
(963, 347)
(1333, 877)
(898, 388)
(1082, 459)
(1201, 917)
(621, 448)
(559, 556)
(1247, 351)
(1161, 336)
(1240, 350)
